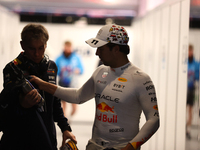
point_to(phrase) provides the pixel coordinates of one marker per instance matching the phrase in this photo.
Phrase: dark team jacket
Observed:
(31, 128)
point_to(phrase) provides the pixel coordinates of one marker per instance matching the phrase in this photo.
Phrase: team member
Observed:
(121, 91)
(69, 67)
(29, 123)
(192, 77)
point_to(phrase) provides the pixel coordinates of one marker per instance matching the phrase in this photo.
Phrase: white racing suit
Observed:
(121, 94)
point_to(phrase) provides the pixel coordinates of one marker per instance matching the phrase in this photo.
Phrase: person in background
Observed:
(192, 77)
(69, 66)
(121, 92)
(27, 121)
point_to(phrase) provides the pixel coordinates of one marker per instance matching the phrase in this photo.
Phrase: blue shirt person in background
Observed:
(193, 76)
(69, 66)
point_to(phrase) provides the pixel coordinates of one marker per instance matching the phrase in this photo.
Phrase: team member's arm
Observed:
(43, 85)
(14, 86)
(148, 101)
(30, 99)
(71, 95)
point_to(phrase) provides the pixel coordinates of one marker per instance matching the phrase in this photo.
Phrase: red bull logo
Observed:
(105, 118)
(104, 107)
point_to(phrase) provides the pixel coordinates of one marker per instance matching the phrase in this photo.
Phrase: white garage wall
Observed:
(182, 75)
(9, 36)
(160, 41)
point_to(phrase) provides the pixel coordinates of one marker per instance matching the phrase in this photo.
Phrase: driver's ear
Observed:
(116, 48)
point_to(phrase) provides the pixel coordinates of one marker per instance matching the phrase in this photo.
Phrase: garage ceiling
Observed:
(88, 8)
(77, 7)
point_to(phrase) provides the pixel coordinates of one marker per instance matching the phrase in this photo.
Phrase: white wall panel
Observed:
(156, 65)
(182, 76)
(148, 41)
(163, 60)
(167, 40)
(9, 45)
(151, 32)
(172, 76)
(137, 42)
